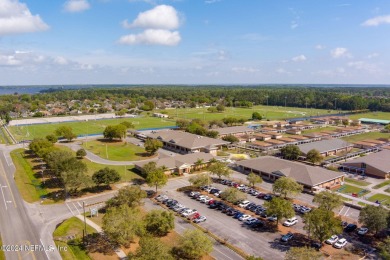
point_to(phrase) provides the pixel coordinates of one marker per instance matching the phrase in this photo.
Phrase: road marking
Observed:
(44, 249)
(79, 204)
(6, 208)
(69, 209)
(341, 210)
(222, 252)
(347, 211)
(30, 251)
(74, 205)
(6, 179)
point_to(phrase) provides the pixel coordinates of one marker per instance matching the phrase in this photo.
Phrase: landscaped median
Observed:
(380, 198)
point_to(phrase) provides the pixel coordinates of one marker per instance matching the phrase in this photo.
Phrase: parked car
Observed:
(316, 245)
(193, 193)
(362, 231)
(193, 216)
(287, 237)
(260, 195)
(272, 218)
(200, 219)
(268, 197)
(290, 222)
(304, 209)
(333, 239)
(244, 203)
(350, 228)
(214, 205)
(340, 243)
(238, 215)
(201, 197)
(256, 225)
(244, 217)
(161, 197)
(212, 191)
(188, 212)
(205, 199)
(344, 224)
(178, 207)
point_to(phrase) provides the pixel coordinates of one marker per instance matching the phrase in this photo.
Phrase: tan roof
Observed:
(179, 160)
(386, 147)
(365, 143)
(261, 135)
(286, 139)
(187, 140)
(378, 160)
(273, 141)
(304, 174)
(233, 130)
(260, 143)
(375, 141)
(298, 137)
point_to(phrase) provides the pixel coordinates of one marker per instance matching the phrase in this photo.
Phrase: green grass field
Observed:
(2, 256)
(85, 127)
(269, 112)
(382, 198)
(116, 151)
(365, 136)
(372, 115)
(380, 185)
(72, 227)
(348, 189)
(357, 182)
(320, 129)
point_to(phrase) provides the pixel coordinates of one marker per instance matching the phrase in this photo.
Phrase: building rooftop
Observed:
(324, 145)
(304, 174)
(179, 160)
(378, 160)
(233, 130)
(184, 139)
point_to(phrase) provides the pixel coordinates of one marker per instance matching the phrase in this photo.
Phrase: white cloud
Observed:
(76, 6)
(16, 18)
(378, 20)
(294, 24)
(152, 37)
(320, 47)
(299, 58)
(372, 55)
(211, 1)
(245, 69)
(283, 71)
(60, 60)
(340, 52)
(361, 65)
(160, 17)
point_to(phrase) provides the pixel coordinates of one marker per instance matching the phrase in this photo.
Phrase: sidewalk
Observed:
(118, 251)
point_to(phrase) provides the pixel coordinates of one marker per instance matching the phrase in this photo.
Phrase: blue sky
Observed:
(194, 41)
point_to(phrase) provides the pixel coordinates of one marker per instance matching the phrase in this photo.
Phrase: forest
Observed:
(341, 98)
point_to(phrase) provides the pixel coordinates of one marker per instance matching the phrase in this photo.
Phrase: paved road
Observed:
(16, 224)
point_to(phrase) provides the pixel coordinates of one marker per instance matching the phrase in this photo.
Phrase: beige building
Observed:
(180, 164)
(326, 147)
(312, 178)
(183, 142)
(234, 130)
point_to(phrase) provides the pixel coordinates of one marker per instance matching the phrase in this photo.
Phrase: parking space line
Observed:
(341, 210)
(348, 208)
(69, 209)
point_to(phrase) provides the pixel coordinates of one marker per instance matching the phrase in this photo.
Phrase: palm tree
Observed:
(198, 163)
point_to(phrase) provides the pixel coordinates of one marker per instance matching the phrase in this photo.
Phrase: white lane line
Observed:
(69, 209)
(79, 204)
(341, 210)
(74, 205)
(5, 203)
(347, 211)
(219, 251)
(44, 249)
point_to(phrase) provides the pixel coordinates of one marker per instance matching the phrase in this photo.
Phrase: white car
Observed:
(208, 200)
(193, 193)
(204, 199)
(244, 203)
(340, 243)
(161, 197)
(188, 212)
(200, 219)
(290, 222)
(333, 239)
(201, 197)
(362, 231)
(244, 217)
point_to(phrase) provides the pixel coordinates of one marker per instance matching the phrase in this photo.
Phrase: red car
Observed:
(194, 216)
(210, 202)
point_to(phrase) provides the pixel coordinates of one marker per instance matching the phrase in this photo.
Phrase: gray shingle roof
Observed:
(379, 160)
(187, 140)
(179, 160)
(233, 130)
(324, 145)
(304, 174)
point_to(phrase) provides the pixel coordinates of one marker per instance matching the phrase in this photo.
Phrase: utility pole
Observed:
(335, 104)
(106, 152)
(85, 224)
(285, 101)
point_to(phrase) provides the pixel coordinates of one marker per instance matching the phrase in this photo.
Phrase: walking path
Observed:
(118, 251)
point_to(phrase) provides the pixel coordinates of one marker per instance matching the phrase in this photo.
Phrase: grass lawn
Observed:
(348, 189)
(3, 136)
(373, 115)
(357, 182)
(269, 112)
(361, 137)
(382, 184)
(85, 127)
(26, 179)
(72, 227)
(127, 172)
(387, 190)
(2, 256)
(382, 198)
(29, 180)
(116, 151)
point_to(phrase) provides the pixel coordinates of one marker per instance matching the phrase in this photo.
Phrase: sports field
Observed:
(372, 115)
(85, 127)
(269, 112)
